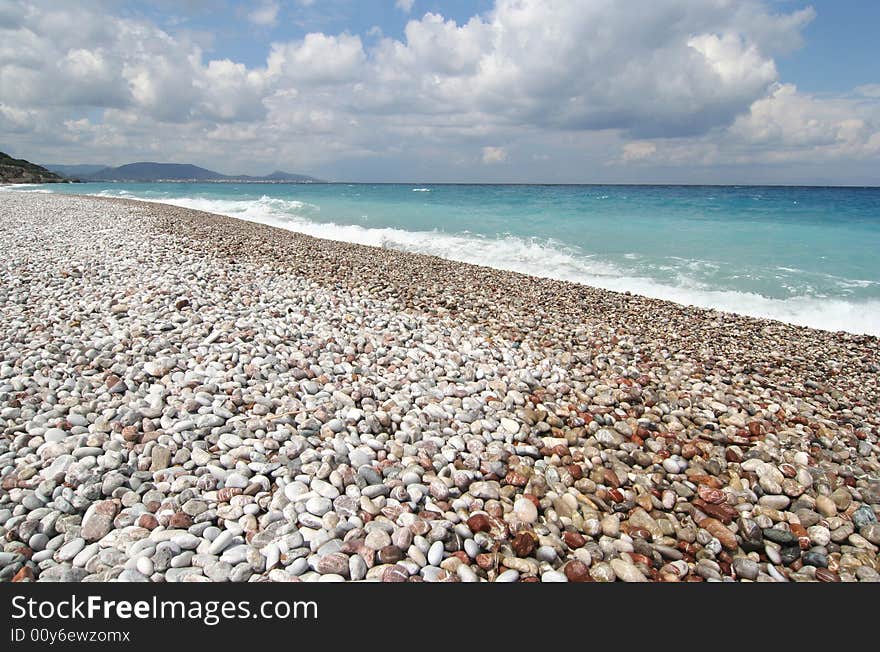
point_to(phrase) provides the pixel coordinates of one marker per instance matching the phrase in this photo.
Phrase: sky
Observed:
(548, 91)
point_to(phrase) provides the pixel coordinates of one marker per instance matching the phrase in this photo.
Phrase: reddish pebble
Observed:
(640, 533)
(390, 554)
(478, 523)
(577, 571)
(180, 520)
(640, 559)
(615, 495)
(711, 495)
(825, 575)
(225, 495)
(447, 576)
(523, 544)
(148, 521)
(486, 560)
(611, 478)
(396, 573)
(24, 574)
(573, 540)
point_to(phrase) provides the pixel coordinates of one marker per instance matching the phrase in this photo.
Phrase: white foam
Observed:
(549, 259)
(24, 187)
(421, 190)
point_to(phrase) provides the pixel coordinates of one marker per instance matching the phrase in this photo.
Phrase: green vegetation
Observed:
(16, 170)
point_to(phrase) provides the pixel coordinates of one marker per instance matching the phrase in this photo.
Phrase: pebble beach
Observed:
(186, 397)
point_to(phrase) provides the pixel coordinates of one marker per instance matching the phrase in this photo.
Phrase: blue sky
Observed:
(681, 91)
(841, 47)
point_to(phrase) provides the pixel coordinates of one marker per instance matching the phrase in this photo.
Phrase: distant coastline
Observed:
(150, 172)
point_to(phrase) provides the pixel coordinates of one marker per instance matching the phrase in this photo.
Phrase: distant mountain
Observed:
(155, 172)
(17, 170)
(281, 177)
(74, 171)
(185, 172)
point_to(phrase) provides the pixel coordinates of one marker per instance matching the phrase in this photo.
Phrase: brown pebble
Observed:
(180, 520)
(486, 560)
(24, 574)
(523, 544)
(718, 530)
(574, 540)
(825, 575)
(225, 495)
(130, 433)
(711, 495)
(577, 571)
(611, 478)
(390, 554)
(396, 573)
(478, 523)
(640, 533)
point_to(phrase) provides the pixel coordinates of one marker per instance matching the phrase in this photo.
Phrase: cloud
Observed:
(265, 15)
(786, 126)
(787, 123)
(318, 59)
(494, 155)
(868, 90)
(404, 5)
(687, 82)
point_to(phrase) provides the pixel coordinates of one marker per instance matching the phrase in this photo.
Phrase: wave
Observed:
(421, 190)
(23, 187)
(549, 259)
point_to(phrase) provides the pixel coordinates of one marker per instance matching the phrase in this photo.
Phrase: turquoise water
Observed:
(807, 256)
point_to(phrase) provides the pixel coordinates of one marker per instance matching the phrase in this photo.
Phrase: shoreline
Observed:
(722, 314)
(831, 313)
(591, 434)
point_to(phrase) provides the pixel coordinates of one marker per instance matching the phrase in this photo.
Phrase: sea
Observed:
(804, 255)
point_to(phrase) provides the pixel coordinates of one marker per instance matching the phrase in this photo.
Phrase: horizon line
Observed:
(514, 183)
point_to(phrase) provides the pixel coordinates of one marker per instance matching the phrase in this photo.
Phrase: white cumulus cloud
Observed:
(679, 82)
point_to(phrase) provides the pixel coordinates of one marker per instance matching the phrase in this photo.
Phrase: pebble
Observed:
(347, 425)
(745, 568)
(507, 576)
(435, 553)
(553, 576)
(626, 572)
(525, 510)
